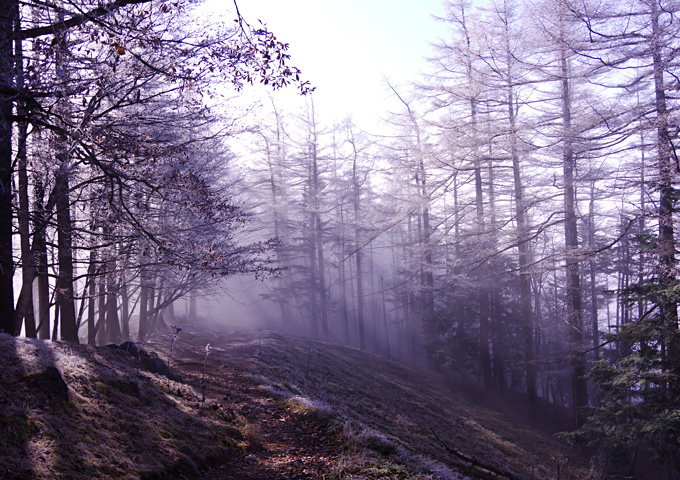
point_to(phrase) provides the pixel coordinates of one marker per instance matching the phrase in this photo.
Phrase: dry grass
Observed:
(119, 422)
(277, 407)
(387, 410)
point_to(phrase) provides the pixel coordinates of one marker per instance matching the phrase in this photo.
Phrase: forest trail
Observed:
(281, 444)
(260, 406)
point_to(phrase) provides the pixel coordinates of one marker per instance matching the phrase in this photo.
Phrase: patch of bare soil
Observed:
(252, 407)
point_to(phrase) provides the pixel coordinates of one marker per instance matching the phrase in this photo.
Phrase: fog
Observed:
(512, 219)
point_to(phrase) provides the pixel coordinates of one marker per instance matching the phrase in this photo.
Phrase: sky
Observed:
(346, 48)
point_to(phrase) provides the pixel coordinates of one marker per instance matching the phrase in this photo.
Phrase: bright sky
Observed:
(346, 47)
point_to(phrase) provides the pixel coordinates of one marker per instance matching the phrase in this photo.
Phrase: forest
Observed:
(513, 221)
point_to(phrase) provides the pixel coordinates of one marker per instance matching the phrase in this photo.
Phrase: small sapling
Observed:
(208, 349)
(175, 330)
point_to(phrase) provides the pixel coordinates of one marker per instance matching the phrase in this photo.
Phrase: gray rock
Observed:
(156, 365)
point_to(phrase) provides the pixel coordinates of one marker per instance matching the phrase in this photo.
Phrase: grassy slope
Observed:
(119, 421)
(393, 409)
(123, 422)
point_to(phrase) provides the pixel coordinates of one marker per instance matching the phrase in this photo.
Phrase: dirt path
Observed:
(282, 444)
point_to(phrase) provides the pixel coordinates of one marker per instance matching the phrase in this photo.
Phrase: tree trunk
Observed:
(113, 333)
(25, 311)
(91, 300)
(594, 322)
(125, 308)
(192, 306)
(523, 250)
(8, 12)
(67, 311)
(144, 304)
(667, 246)
(573, 294)
(318, 240)
(356, 198)
(66, 301)
(313, 282)
(482, 294)
(100, 328)
(343, 281)
(40, 246)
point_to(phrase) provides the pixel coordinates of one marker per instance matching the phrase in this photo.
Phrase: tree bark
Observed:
(25, 311)
(113, 333)
(8, 12)
(356, 202)
(522, 240)
(40, 245)
(67, 311)
(91, 300)
(667, 243)
(574, 300)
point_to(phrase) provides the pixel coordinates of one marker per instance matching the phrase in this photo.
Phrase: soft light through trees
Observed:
(114, 124)
(519, 190)
(514, 221)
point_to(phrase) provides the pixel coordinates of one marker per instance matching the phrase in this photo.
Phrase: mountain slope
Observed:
(263, 406)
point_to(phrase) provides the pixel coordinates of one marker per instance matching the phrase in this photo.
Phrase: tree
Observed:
(8, 14)
(98, 82)
(635, 48)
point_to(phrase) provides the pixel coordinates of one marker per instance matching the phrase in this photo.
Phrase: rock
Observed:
(186, 465)
(251, 459)
(50, 382)
(129, 347)
(134, 350)
(156, 365)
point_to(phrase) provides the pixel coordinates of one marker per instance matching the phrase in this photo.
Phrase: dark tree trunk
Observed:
(667, 246)
(91, 300)
(100, 328)
(125, 309)
(113, 333)
(67, 311)
(8, 12)
(25, 311)
(317, 234)
(40, 246)
(524, 251)
(483, 294)
(144, 304)
(356, 197)
(574, 302)
(313, 283)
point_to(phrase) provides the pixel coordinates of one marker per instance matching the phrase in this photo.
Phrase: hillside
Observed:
(267, 406)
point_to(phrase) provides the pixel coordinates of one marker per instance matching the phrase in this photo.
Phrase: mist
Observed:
(510, 220)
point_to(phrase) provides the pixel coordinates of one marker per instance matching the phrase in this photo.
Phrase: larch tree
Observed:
(635, 44)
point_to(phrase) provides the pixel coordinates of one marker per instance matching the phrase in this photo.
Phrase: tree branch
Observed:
(75, 20)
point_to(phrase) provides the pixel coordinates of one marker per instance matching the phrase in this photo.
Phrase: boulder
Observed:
(133, 349)
(156, 365)
(50, 382)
